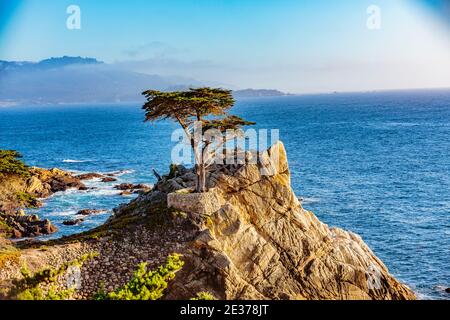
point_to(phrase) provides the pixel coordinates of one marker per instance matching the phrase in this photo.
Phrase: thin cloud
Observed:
(153, 49)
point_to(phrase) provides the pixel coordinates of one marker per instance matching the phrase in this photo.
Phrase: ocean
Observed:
(376, 163)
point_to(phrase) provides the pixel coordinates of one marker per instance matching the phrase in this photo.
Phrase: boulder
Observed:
(35, 186)
(73, 222)
(88, 212)
(22, 225)
(168, 186)
(56, 180)
(90, 176)
(124, 186)
(196, 203)
(140, 187)
(131, 186)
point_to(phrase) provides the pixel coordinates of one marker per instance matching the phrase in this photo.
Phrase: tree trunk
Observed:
(200, 169)
(201, 178)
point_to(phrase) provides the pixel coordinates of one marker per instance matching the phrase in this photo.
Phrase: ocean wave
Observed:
(75, 161)
(72, 171)
(119, 173)
(63, 213)
(104, 192)
(307, 200)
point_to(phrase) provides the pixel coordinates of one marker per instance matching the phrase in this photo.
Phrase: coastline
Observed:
(382, 221)
(145, 215)
(255, 97)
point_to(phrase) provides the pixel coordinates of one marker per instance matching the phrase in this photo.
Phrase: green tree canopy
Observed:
(207, 107)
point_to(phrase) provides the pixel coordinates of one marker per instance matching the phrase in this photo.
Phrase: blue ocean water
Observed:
(373, 163)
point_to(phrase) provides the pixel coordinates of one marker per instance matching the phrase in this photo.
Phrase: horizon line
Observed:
(11, 104)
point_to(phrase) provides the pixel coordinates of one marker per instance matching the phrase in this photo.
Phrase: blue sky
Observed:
(293, 45)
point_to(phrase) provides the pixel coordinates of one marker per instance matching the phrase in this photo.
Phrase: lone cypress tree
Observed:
(205, 107)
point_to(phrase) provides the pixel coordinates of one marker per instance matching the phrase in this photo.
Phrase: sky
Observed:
(298, 46)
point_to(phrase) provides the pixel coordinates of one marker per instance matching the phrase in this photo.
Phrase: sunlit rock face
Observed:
(256, 241)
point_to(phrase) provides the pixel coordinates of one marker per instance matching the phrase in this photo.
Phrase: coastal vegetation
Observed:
(197, 111)
(220, 236)
(5, 229)
(146, 284)
(27, 200)
(10, 163)
(204, 296)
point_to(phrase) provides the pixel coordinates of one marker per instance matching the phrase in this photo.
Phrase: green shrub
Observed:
(5, 229)
(204, 296)
(37, 293)
(10, 164)
(26, 199)
(145, 284)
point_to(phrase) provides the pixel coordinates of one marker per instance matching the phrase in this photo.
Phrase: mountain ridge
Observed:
(53, 62)
(78, 80)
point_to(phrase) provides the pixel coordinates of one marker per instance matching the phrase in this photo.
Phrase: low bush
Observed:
(10, 163)
(204, 296)
(26, 200)
(145, 284)
(5, 229)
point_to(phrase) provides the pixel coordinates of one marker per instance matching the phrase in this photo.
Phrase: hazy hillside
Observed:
(76, 80)
(86, 80)
(248, 93)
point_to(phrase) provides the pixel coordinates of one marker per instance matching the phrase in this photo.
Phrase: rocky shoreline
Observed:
(19, 192)
(248, 238)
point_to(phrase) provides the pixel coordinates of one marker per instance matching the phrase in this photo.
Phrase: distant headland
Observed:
(82, 80)
(249, 93)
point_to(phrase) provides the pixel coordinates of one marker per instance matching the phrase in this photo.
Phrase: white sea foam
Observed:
(75, 161)
(64, 213)
(307, 200)
(119, 173)
(74, 171)
(104, 192)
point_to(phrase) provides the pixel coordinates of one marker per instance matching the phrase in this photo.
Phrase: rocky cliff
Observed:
(247, 238)
(254, 240)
